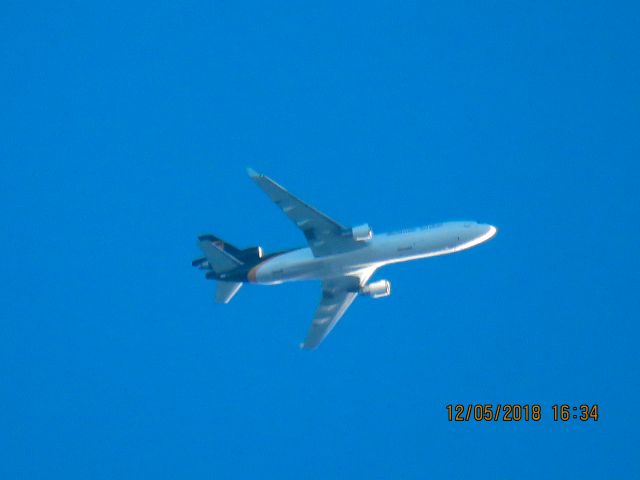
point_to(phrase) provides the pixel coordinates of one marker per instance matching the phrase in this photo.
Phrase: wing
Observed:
(337, 295)
(324, 235)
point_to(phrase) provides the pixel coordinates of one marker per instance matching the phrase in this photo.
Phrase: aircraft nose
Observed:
(489, 231)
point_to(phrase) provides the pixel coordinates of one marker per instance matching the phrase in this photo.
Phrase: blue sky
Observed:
(125, 133)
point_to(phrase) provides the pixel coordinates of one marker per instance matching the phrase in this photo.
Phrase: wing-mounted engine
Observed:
(379, 289)
(362, 233)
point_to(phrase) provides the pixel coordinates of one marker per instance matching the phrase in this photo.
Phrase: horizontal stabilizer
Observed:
(219, 260)
(225, 291)
(244, 255)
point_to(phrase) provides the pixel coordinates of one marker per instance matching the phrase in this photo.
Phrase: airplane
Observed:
(342, 258)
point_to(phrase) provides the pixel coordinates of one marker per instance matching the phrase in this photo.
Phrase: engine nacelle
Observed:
(362, 233)
(250, 254)
(381, 288)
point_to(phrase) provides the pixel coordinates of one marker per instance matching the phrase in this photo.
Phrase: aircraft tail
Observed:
(225, 291)
(220, 260)
(221, 244)
(216, 258)
(242, 256)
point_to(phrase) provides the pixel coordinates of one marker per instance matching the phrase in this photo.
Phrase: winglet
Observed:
(252, 173)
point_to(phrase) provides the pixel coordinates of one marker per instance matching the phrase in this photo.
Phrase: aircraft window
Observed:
(404, 230)
(433, 225)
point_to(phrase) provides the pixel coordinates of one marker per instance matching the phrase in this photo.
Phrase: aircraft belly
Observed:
(294, 268)
(302, 265)
(297, 265)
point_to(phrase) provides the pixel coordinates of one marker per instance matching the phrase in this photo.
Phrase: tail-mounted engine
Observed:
(248, 255)
(362, 233)
(379, 289)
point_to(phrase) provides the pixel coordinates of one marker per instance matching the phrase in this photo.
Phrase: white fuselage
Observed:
(383, 249)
